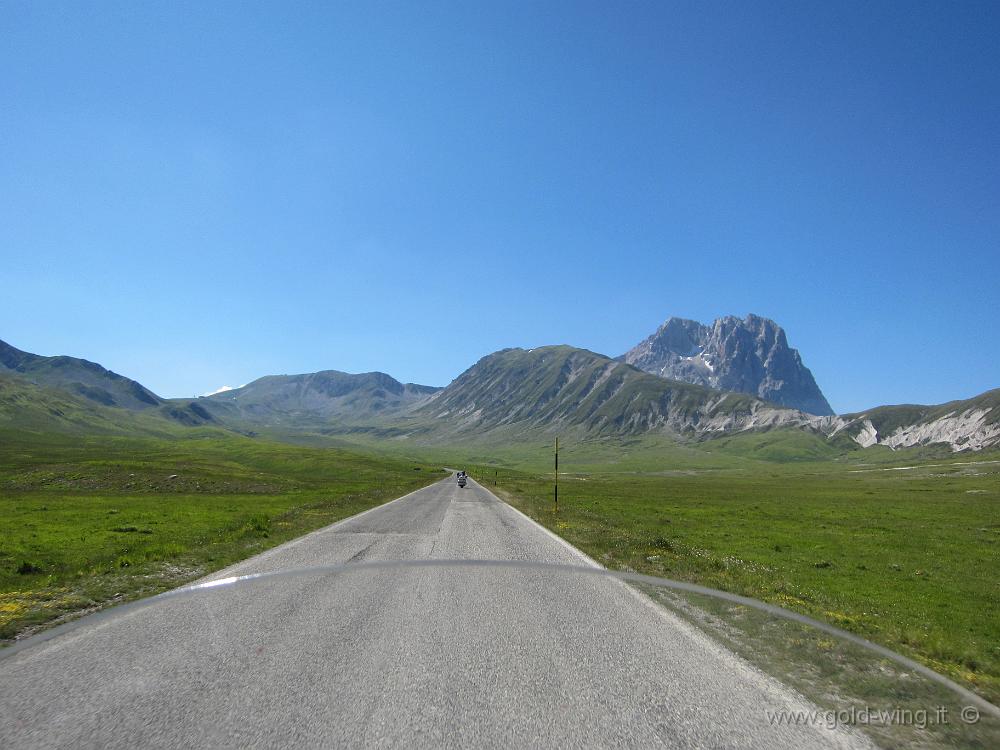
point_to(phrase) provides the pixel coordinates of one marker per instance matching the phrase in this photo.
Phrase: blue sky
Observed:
(197, 196)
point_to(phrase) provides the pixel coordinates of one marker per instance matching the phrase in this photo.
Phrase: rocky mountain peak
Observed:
(678, 335)
(749, 355)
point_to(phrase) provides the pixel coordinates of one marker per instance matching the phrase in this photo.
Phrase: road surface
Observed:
(425, 657)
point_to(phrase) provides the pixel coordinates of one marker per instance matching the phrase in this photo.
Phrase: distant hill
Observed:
(78, 376)
(966, 424)
(316, 399)
(27, 407)
(67, 393)
(559, 387)
(744, 356)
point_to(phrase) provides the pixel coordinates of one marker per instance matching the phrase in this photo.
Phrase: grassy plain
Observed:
(92, 521)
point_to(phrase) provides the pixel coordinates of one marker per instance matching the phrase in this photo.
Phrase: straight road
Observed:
(428, 657)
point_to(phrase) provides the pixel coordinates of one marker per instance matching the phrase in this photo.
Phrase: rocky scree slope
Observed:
(969, 424)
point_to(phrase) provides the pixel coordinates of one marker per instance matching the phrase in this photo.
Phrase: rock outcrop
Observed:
(743, 356)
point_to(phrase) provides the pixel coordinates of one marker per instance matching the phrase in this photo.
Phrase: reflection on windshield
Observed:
(463, 650)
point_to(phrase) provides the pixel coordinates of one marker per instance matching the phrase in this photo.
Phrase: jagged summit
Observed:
(746, 356)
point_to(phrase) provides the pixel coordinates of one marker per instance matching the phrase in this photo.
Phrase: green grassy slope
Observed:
(27, 407)
(564, 387)
(79, 377)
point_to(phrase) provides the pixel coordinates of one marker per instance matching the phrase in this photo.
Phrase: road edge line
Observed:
(575, 550)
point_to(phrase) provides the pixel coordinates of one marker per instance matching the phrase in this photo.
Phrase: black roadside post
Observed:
(555, 487)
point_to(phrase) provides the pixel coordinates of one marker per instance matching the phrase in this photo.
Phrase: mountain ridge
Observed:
(80, 376)
(562, 386)
(510, 394)
(317, 397)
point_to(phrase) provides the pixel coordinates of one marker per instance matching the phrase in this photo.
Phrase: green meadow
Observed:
(89, 522)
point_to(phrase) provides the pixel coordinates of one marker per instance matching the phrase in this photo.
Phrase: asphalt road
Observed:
(427, 657)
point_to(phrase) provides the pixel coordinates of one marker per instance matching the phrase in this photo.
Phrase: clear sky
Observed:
(200, 194)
